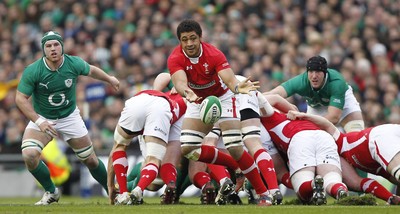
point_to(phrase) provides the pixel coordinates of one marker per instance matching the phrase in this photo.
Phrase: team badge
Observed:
(68, 83)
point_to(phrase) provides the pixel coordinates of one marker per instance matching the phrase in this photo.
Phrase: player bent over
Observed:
(314, 163)
(156, 116)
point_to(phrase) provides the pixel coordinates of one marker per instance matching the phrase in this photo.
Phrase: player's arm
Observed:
(280, 90)
(280, 103)
(99, 74)
(236, 86)
(161, 81)
(179, 79)
(321, 122)
(333, 114)
(23, 103)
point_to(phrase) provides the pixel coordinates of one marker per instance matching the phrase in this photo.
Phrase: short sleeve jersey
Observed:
(176, 103)
(332, 92)
(354, 147)
(53, 92)
(282, 129)
(202, 76)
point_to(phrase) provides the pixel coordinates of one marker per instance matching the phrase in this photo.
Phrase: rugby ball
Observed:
(210, 110)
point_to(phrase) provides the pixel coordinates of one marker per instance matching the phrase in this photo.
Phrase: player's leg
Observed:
(33, 143)
(328, 165)
(367, 185)
(169, 173)
(202, 180)
(252, 141)
(231, 136)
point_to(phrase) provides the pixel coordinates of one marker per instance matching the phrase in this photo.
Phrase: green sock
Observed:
(100, 174)
(42, 175)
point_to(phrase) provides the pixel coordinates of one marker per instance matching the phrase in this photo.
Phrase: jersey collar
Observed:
(195, 60)
(47, 66)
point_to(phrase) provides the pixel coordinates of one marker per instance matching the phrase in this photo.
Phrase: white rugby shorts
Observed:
(149, 113)
(384, 143)
(312, 148)
(70, 127)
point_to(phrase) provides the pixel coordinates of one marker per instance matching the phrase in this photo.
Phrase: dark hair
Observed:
(188, 25)
(317, 63)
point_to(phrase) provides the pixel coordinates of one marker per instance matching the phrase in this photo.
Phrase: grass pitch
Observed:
(187, 206)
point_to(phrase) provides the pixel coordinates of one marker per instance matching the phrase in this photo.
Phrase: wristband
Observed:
(39, 121)
(236, 91)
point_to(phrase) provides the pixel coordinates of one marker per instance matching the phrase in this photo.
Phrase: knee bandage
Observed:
(332, 178)
(214, 133)
(191, 138)
(396, 173)
(300, 177)
(84, 153)
(156, 150)
(251, 132)
(232, 138)
(32, 144)
(354, 125)
(121, 140)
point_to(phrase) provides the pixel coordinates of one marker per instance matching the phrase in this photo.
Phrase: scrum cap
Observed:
(52, 35)
(317, 63)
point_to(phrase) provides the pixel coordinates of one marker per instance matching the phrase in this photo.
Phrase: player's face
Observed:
(190, 43)
(53, 50)
(316, 78)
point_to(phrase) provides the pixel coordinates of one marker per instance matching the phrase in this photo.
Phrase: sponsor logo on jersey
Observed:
(160, 130)
(68, 83)
(189, 67)
(225, 64)
(195, 86)
(336, 100)
(44, 85)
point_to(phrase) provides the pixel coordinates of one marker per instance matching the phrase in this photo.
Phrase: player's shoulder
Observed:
(335, 75)
(34, 66)
(209, 49)
(176, 53)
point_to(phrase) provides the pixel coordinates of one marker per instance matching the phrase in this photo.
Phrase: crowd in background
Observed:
(269, 40)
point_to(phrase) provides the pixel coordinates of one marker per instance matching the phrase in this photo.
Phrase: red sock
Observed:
(250, 170)
(200, 179)
(285, 180)
(210, 154)
(266, 167)
(217, 172)
(168, 173)
(120, 164)
(369, 185)
(336, 187)
(305, 191)
(147, 175)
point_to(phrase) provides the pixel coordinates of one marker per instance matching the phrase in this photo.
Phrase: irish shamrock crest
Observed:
(68, 82)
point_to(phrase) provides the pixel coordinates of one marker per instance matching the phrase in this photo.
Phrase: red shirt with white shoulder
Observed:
(354, 147)
(201, 72)
(282, 129)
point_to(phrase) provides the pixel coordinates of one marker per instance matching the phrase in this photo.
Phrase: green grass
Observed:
(188, 205)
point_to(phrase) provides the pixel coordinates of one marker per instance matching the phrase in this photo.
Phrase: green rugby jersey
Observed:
(53, 92)
(332, 92)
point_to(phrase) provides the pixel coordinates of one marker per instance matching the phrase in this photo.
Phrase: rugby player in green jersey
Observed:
(327, 94)
(46, 95)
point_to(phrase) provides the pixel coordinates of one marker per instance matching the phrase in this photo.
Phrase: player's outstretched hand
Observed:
(114, 82)
(191, 96)
(245, 86)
